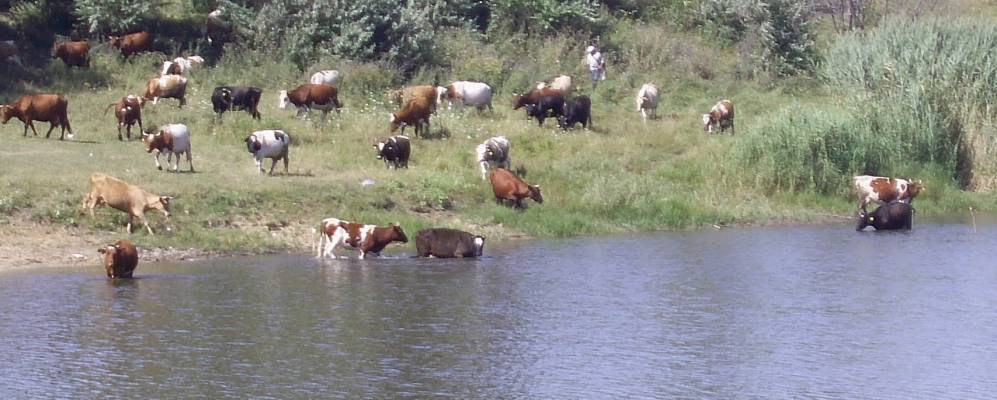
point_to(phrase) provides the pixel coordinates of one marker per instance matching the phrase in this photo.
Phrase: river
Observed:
(767, 313)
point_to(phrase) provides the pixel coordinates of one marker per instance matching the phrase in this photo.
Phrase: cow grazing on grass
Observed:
(647, 101)
(891, 216)
(533, 96)
(394, 151)
(120, 259)
(225, 98)
(547, 106)
(310, 95)
(128, 111)
(721, 116)
(172, 140)
(9, 51)
(51, 108)
(578, 110)
(325, 77)
(884, 190)
(493, 153)
(509, 187)
(117, 194)
(415, 113)
(72, 53)
(409, 93)
(167, 87)
(334, 233)
(270, 143)
(561, 82)
(132, 43)
(448, 243)
(465, 93)
(182, 65)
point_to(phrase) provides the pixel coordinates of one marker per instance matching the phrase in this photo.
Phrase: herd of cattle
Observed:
(551, 99)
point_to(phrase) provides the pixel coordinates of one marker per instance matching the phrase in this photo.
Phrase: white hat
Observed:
(590, 49)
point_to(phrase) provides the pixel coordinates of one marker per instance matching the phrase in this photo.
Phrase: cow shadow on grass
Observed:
(441, 133)
(294, 174)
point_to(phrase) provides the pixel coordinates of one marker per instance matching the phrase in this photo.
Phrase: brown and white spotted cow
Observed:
(884, 190)
(335, 233)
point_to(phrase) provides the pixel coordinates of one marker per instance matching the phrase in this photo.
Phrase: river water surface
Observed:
(766, 313)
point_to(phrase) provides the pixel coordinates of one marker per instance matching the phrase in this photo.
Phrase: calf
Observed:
(465, 93)
(167, 87)
(884, 190)
(647, 101)
(117, 194)
(225, 98)
(547, 106)
(132, 43)
(721, 115)
(335, 233)
(173, 140)
(448, 243)
(310, 95)
(51, 108)
(493, 153)
(72, 53)
(270, 143)
(891, 216)
(120, 259)
(394, 151)
(416, 112)
(182, 65)
(578, 110)
(508, 187)
(326, 77)
(128, 111)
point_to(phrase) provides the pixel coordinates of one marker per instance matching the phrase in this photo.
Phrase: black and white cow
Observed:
(448, 243)
(235, 98)
(394, 151)
(493, 153)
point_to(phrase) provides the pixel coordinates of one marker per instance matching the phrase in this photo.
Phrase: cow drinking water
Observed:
(448, 243)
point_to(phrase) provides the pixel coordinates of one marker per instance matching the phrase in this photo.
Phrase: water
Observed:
(752, 313)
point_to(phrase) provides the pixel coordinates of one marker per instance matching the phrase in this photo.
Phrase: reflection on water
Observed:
(801, 312)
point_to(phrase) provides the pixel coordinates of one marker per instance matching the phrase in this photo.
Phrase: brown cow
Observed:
(51, 108)
(721, 115)
(335, 233)
(508, 186)
(416, 112)
(881, 189)
(310, 95)
(128, 111)
(533, 96)
(167, 86)
(120, 259)
(132, 43)
(410, 93)
(120, 195)
(72, 53)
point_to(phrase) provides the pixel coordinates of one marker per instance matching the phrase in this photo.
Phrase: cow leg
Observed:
(146, 223)
(643, 115)
(51, 127)
(190, 160)
(158, 166)
(120, 138)
(286, 160)
(32, 125)
(273, 164)
(129, 226)
(140, 129)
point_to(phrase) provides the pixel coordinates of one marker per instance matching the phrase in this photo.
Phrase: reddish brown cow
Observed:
(128, 110)
(508, 186)
(881, 189)
(120, 259)
(72, 53)
(51, 108)
(533, 96)
(132, 43)
(167, 86)
(335, 233)
(416, 112)
(310, 95)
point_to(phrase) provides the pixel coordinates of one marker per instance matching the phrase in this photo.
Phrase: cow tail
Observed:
(109, 107)
(339, 104)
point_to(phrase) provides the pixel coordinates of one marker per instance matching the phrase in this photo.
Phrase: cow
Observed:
(128, 111)
(325, 77)
(335, 233)
(409, 93)
(894, 215)
(310, 95)
(647, 101)
(132, 43)
(120, 259)
(225, 98)
(448, 243)
(172, 140)
(884, 190)
(561, 82)
(270, 143)
(465, 93)
(72, 53)
(547, 106)
(578, 110)
(182, 65)
(416, 112)
(509, 187)
(394, 151)
(721, 115)
(533, 96)
(120, 195)
(167, 86)
(493, 153)
(10, 51)
(48, 107)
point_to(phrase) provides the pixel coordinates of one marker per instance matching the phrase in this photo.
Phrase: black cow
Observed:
(394, 151)
(578, 110)
(892, 216)
(547, 106)
(236, 98)
(448, 243)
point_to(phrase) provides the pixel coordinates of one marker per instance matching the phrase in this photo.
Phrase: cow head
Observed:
(283, 100)
(6, 113)
(865, 219)
(394, 123)
(115, 41)
(914, 189)
(707, 123)
(379, 147)
(518, 101)
(399, 235)
(166, 205)
(535, 194)
(149, 139)
(252, 144)
(109, 252)
(479, 245)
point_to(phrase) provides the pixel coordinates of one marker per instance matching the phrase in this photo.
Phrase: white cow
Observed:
(182, 65)
(647, 101)
(327, 77)
(493, 153)
(172, 140)
(562, 83)
(270, 143)
(465, 93)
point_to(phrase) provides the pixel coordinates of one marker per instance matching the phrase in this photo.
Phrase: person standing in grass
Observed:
(597, 66)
